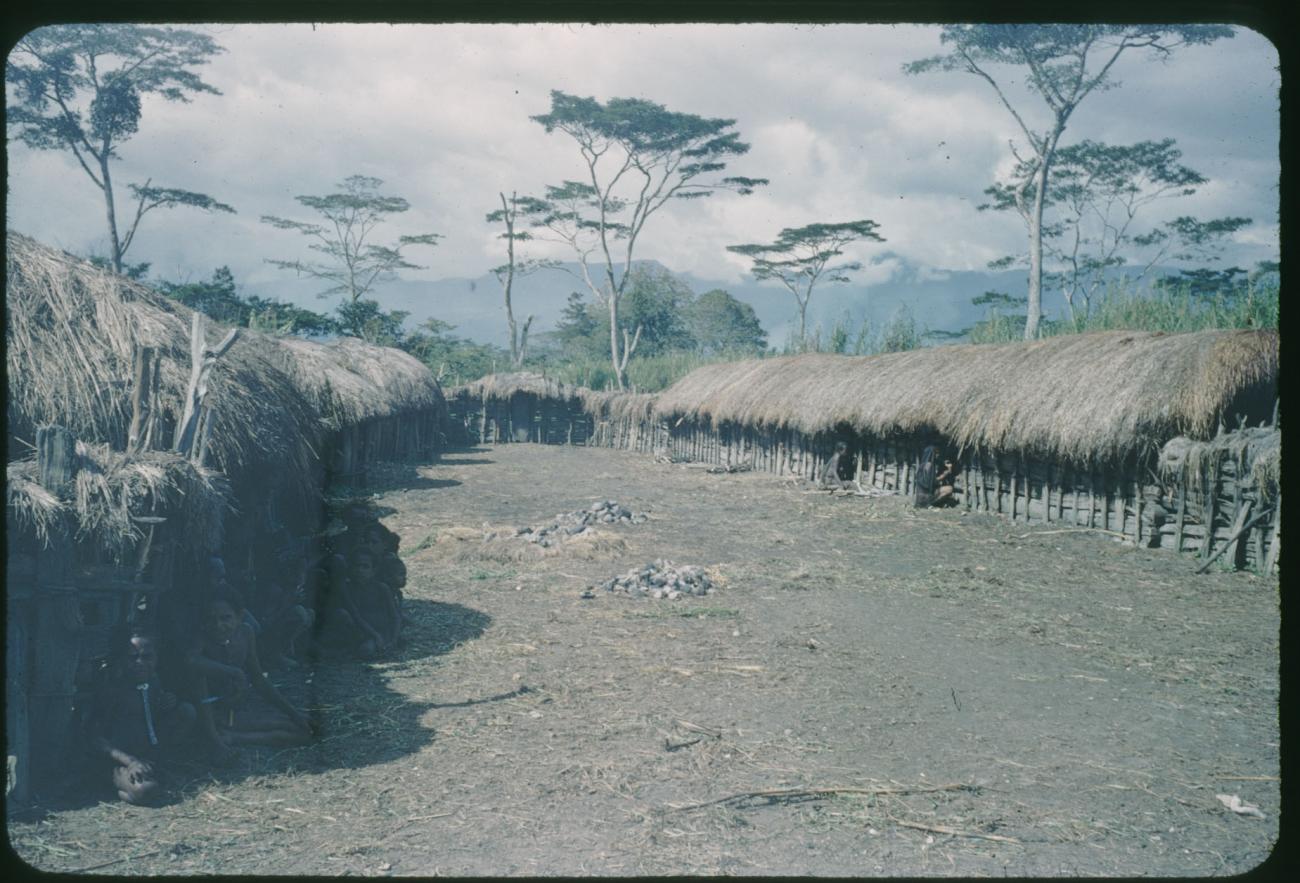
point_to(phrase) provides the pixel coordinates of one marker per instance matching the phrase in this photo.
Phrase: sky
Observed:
(441, 114)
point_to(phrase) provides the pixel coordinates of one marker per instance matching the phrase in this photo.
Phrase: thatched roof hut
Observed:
(349, 381)
(71, 330)
(506, 386)
(1080, 397)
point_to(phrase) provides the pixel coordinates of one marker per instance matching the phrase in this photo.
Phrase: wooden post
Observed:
(1234, 544)
(1182, 510)
(202, 359)
(1275, 539)
(1014, 474)
(1211, 507)
(141, 397)
(56, 454)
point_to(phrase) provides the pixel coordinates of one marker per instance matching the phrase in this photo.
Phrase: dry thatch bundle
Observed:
(1081, 397)
(113, 491)
(505, 386)
(348, 381)
(71, 331)
(618, 405)
(1256, 451)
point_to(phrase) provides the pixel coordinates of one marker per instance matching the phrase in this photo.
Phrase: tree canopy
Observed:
(801, 258)
(353, 263)
(1062, 64)
(78, 88)
(637, 156)
(1091, 210)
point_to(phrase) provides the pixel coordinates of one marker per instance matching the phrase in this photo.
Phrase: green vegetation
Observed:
(1176, 304)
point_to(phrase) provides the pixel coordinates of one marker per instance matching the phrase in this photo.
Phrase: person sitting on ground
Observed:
(383, 545)
(343, 620)
(380, 603)
(831, 477)
(225, 664)
(944, 484)
(133, 723)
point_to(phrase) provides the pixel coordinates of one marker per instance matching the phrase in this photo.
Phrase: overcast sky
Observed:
(441, 114)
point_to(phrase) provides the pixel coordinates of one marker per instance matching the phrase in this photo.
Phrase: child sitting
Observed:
(225, 664)
(133, 721)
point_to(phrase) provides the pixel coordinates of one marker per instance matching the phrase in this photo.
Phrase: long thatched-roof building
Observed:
(1068, 429)
(1085, 397)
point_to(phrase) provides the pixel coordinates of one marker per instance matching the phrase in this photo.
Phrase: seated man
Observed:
(379, 603)
(831, 477)
(225, 664)
(944, 484)
(341, 607)
(133, 721)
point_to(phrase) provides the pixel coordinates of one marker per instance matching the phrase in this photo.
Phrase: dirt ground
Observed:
(871, 690)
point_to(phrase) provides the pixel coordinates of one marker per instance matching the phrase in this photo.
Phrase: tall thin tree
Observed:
(637, 156)
(1062, 65)
(78, 88)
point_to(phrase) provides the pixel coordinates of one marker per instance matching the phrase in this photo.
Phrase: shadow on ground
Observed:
(360, 720)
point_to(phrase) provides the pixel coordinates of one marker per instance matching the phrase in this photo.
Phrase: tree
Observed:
(450, 357)
(656, 155)
(364, 318)
(508, 215)
(719, 323)
(1096, 194)
(579, 330)
(78, 88)
(353, 264)
(220, 299)
(801, 257)
(656, 302)
(1062, 65)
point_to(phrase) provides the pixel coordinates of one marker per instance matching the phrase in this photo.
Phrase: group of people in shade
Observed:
(191, 682)
(934, 484)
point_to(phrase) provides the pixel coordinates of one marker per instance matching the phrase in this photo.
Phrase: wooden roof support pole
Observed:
(202, 358)
(141, 397)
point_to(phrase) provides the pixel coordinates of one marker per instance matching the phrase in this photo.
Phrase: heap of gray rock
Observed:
(571, 524)
(661, 579)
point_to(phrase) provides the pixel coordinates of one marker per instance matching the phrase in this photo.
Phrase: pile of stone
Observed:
(661, 579)
(574, 523)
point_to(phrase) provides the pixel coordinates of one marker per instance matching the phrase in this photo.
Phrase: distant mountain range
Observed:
(939, 300)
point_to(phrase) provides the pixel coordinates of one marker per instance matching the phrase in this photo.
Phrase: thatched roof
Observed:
(71, 330)
(505, 386)
(1257, 451)
(349, 381)
(618, 405)
(71, 333)
(113, 490)
(1082, 397)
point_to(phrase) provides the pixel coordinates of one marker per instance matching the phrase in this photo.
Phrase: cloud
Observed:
(441, 113)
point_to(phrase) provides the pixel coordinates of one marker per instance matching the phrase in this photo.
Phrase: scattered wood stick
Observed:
(687, 725)
(788, 793)
(941, 829)
(1043, 533)
(125, 858)
(1249, 778)
(1233, 539)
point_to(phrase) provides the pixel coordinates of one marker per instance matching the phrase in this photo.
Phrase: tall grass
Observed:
(648, 374)
(1127, 307)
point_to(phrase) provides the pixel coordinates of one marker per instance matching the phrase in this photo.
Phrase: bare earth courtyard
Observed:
(870, 690)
